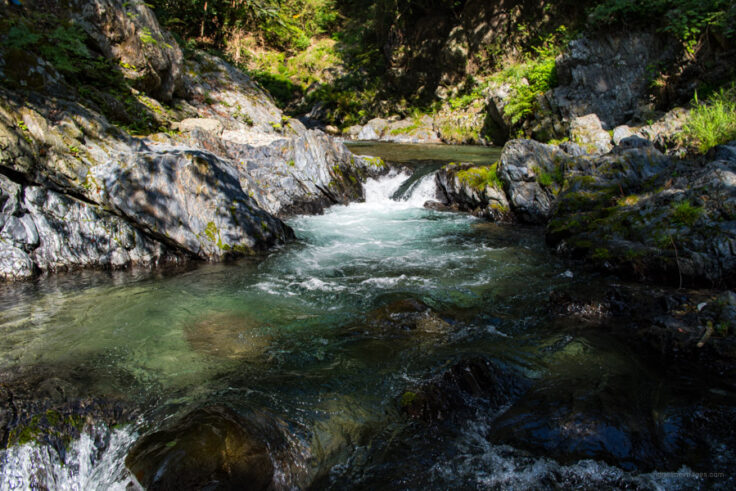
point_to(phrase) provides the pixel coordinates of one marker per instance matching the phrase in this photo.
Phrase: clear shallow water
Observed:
(296, 335)
(402, 152)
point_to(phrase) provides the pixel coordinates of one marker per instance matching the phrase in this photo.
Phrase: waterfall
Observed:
(400, 190)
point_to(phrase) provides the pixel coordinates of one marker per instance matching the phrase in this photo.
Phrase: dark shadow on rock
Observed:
(209, 448)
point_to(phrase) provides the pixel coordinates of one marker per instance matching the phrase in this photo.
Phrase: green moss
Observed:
(686, 214)
(212, 232)
(25, 131)
(543, 178)
(601, 254)
(479, 178)
(407, 398)
(375, 162)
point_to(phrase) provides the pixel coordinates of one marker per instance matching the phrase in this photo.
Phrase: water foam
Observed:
(95, 461)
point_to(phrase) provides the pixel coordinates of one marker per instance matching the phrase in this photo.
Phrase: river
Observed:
(329, 334)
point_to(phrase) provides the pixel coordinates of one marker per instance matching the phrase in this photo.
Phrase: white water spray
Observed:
(89, 464)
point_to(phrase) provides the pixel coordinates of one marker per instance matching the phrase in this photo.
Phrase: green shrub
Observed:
(713, 122)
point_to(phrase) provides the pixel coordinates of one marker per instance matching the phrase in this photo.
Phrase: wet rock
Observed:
(465, 385)
(129, 33)
(407, 314)
(596, 419)
(302, 174)
(587, 132)
(227, 335)
(570, 304)
(46, 406)
(460, 190)
(210, 448)
(14, 263)
(532, 173)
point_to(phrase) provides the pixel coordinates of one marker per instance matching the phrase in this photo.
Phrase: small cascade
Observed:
(94, 461)
(423, 190)
(382, 190)
(401, 190)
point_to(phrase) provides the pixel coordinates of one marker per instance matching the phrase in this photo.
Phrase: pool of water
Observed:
(313, 335)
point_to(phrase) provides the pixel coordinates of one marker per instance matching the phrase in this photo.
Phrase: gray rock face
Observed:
(130, 33)
(303, 174)
(80, 192)
(621, 132)
(642, 214)
(398, 131)
(47, 231)
(486, 201)
(498, 125)
(531, 174)
(191, 200)
(607, 75)
(588, 132)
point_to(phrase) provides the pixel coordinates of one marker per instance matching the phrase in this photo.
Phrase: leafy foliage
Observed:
(285, 24)
(533, 77)
(687, 20)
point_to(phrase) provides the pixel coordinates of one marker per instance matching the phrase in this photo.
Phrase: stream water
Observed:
(313, 336)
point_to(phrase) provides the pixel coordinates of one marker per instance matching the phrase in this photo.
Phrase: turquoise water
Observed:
(312, 335)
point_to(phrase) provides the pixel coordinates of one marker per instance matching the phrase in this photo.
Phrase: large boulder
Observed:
(651, 217)
(48, 231)
(532, 174)
(191, 200)
(129, 33)
(475, 189)
(466, 385)
(210, 448)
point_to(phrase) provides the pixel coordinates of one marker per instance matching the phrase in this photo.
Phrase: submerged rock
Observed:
(227, 335)
(210, 448)
(469, 384)
(405, 315)
(51, 405)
